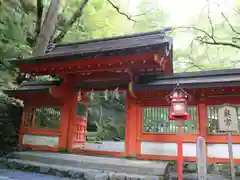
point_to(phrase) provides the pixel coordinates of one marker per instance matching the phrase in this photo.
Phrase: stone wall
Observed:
(10, 118)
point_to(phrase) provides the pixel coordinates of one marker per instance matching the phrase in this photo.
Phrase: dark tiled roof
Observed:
(121, 45)
(109, 44)
(205, 79)
(33, 87)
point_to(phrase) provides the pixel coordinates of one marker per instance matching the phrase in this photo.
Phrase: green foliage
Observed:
(108, 116)
(4, 100)
(14, 24)
(48, 118)
(100, 19)
(101, 131)
(191, 55)
(13, 33)
(151, 16)
(63, 150)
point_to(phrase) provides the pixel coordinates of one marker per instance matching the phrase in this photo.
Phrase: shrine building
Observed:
(109, 99)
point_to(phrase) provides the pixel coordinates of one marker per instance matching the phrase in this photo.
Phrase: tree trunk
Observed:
(47, 29)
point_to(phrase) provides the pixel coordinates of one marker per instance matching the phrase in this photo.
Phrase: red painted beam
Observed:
(86, 69)
(99, 75)
(211, 95)
(107, 64)
(85, 62)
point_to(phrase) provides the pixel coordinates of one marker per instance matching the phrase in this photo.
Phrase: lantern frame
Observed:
(179, 96)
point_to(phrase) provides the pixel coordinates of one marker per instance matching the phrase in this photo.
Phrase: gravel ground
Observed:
(6, 174)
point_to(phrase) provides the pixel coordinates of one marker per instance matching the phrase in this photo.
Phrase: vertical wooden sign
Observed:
(228, 122)
(201, 158)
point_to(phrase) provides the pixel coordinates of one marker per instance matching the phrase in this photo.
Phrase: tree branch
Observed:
(39, 17)
(210, 21)
(206, 34)
(230, 25)
(213, 40)
(120, 12)
(191, 67)
(220, 43)
(141, 14)
(48, 28)
(226, 19)
(78, 13)
(237, 10)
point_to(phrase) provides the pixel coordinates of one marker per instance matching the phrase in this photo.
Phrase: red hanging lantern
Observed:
(179, 106)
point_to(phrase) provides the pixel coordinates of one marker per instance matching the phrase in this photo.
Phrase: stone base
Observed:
(88, 167)
(73, 172)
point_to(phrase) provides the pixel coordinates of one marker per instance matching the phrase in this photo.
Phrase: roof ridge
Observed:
(185, 75)
(161, 32)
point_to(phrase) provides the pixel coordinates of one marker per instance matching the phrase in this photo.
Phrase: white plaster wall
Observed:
(168, 149)
(189, 149)
(158, 148)
(221, 150)
(105, 146)
(39, 140)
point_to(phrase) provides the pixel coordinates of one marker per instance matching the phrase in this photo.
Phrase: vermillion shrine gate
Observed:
(111, 100)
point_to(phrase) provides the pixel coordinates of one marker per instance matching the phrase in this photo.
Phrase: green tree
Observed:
(150, 16)
(212, 41)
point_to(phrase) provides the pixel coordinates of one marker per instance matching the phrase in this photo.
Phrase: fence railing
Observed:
(156, 120)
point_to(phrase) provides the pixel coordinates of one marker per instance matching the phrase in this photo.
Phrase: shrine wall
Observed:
(189, 149)
(40, 140)
(167, 149)
(105, 146)
(221, 150)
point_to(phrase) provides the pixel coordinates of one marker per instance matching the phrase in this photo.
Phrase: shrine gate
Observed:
(131, 76)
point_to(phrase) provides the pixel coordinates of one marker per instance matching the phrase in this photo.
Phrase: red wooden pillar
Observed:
(71, 122)
(133, 127)
(64, 123)
(66, 94)
(24, 113)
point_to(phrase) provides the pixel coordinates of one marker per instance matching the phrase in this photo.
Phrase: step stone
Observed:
(74, 172)
(110, 164)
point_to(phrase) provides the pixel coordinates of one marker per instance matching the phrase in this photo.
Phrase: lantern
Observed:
(179, 105)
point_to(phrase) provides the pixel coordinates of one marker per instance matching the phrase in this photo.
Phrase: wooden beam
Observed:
(99, 75)
(136, 61)
(86, 62)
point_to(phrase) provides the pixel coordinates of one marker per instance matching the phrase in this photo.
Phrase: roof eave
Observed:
(13, 93)
(79, 55)
(186, 75)
(143, 87)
